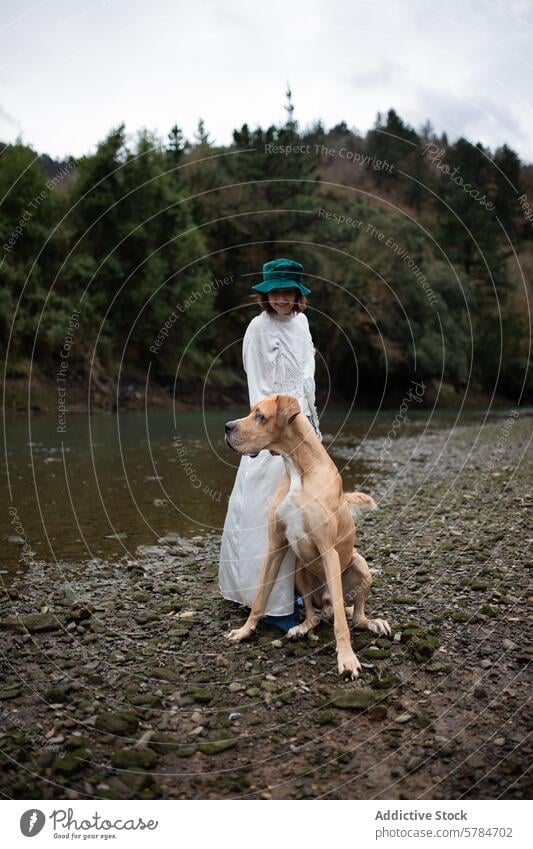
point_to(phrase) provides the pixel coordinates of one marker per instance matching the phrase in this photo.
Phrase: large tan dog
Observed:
(311, 514)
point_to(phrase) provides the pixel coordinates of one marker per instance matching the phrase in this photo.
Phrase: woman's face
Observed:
(282, 300)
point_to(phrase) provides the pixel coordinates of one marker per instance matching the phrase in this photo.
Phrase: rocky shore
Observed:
(117, 681)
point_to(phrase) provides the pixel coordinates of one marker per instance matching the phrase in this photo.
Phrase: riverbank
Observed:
(118, 682)
(135, 393)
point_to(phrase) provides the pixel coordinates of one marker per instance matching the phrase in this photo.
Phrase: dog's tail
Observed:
(358, 502)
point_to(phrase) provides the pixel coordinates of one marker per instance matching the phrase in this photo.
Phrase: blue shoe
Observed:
(282, 623)
(291, 620)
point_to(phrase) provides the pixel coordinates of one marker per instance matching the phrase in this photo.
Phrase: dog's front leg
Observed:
(269, 572)
(348, 663)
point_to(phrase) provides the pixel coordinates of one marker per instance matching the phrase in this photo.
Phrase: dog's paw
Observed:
(239, 634)
(299, 631)
(296, 632)
(379, 626)
(304, 628)
(349, 666)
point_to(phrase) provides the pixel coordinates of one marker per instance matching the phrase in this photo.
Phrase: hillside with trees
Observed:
(414, 275)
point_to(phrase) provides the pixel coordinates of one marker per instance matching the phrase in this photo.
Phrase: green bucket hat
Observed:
(282, 274)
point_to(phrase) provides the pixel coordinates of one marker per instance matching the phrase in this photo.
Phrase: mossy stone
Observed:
(166, 673)
(57, 694)
(422, 647)
(118, 722)
(213, 747)
(35, 623)
(133, 759)
(72, 762)
(385, 682)
(375, 653)
(145, 617)
(202, 695)
(355, 699)
(326, 717)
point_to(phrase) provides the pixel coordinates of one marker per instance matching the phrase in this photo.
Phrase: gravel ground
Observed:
(117, 682)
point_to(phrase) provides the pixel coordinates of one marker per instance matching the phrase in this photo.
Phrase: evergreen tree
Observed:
(469, 231)
(30, 209)
(265, 199)
(201, 135)
(177, 144)
(291, 125)
(393, 141)
(507, 189)
(133, 221)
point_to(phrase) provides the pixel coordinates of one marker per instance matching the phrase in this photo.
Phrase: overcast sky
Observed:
(72, 69)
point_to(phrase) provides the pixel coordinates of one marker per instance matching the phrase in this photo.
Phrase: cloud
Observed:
(476, 116)
(383, 73)
(71, 72)
(9, 126)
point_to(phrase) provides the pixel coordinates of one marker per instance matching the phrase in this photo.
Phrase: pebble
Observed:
(403, 717)
(144, 738)
(377, 713)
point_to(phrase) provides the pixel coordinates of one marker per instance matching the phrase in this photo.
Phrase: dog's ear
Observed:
(287, 408)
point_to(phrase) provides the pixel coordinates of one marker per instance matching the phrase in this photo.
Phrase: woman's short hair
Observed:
(261, 298)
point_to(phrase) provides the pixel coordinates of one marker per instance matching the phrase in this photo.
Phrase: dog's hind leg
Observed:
(356, 583)
(305, 588)
(327, 608)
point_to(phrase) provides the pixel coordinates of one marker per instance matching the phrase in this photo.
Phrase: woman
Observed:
(279, 358)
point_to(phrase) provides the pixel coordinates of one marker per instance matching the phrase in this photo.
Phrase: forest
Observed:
(132, 265)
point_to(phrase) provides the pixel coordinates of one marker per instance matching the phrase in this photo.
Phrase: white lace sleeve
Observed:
(309, 379)
(257, 364)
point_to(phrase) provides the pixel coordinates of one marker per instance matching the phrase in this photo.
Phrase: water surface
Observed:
(111, 483)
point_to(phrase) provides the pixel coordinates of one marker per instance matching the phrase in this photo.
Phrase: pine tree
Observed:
(507, 189)
(201, 135)
(291, 125)
(177, 144)
(393, 141)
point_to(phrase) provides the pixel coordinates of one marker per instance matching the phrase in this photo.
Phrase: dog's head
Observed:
(264, 425)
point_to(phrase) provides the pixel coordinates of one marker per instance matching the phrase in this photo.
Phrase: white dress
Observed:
(279, 358)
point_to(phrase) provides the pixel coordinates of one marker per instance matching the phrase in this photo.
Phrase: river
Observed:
(111, 483)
